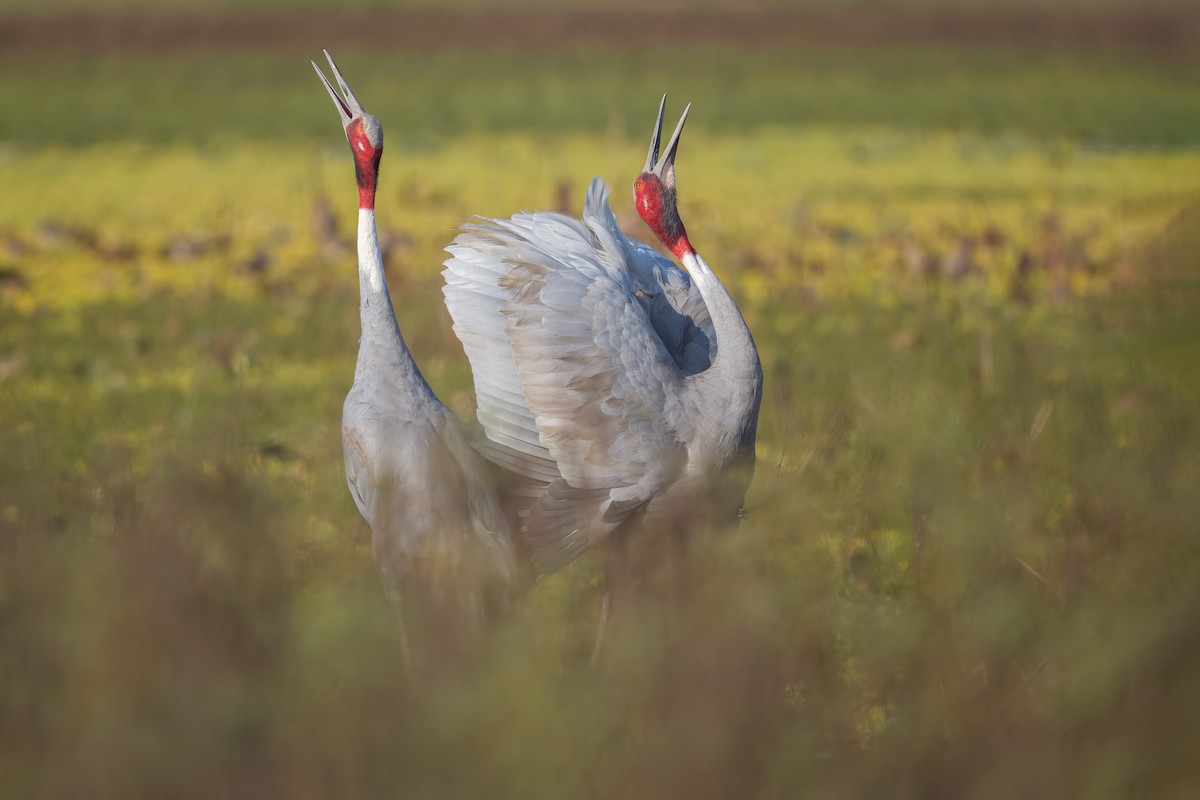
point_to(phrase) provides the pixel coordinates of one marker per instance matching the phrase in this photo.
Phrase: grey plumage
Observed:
(438, 532)
(602, 375)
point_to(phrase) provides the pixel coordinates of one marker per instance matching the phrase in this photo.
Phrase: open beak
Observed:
(349, 107)
(657, 165)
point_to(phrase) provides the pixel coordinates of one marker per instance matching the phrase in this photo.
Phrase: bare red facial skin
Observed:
(366, 163)
(656, 203)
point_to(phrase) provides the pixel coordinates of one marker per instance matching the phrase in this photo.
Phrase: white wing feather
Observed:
(580, 344)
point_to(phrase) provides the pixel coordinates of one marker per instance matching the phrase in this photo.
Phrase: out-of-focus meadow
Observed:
(971, 566)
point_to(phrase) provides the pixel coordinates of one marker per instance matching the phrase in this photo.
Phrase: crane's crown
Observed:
(365, 134)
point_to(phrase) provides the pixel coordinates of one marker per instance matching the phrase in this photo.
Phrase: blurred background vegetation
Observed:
(966, 236)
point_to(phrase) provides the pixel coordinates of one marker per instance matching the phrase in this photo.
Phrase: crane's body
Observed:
(439, 535)
(622, 389)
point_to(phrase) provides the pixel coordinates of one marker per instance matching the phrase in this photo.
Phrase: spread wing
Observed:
(574, 384)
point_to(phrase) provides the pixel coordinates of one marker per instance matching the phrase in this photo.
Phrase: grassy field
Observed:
(970, 568)
(1014, 99)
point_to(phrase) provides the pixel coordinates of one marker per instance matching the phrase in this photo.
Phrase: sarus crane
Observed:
(438, 533)
(622, 390)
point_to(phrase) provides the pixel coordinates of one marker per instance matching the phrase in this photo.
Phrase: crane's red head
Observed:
(654, 189)
(363, 131)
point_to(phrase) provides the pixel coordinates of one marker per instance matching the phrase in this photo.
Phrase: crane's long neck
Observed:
(736, 365)
(383, 357)
(733, 382)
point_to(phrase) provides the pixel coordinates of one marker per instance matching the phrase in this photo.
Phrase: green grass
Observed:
(209, 99)
(970, 567)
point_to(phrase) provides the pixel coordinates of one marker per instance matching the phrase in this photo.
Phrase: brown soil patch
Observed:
(1157, 32)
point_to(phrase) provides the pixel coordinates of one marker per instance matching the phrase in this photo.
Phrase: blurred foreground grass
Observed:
(971, 566)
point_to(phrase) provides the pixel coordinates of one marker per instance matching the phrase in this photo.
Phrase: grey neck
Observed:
(383, 357)
(733, 383)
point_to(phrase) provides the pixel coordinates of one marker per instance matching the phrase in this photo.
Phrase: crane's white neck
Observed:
(384, 361)
(370, 260)
(728, 394)
(737, 357)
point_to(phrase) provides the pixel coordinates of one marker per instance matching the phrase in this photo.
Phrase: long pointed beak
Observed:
(652, 156)
(654, 163)
(350, 107)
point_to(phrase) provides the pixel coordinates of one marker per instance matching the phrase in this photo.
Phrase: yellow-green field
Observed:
(841, 211)
(970, 567)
